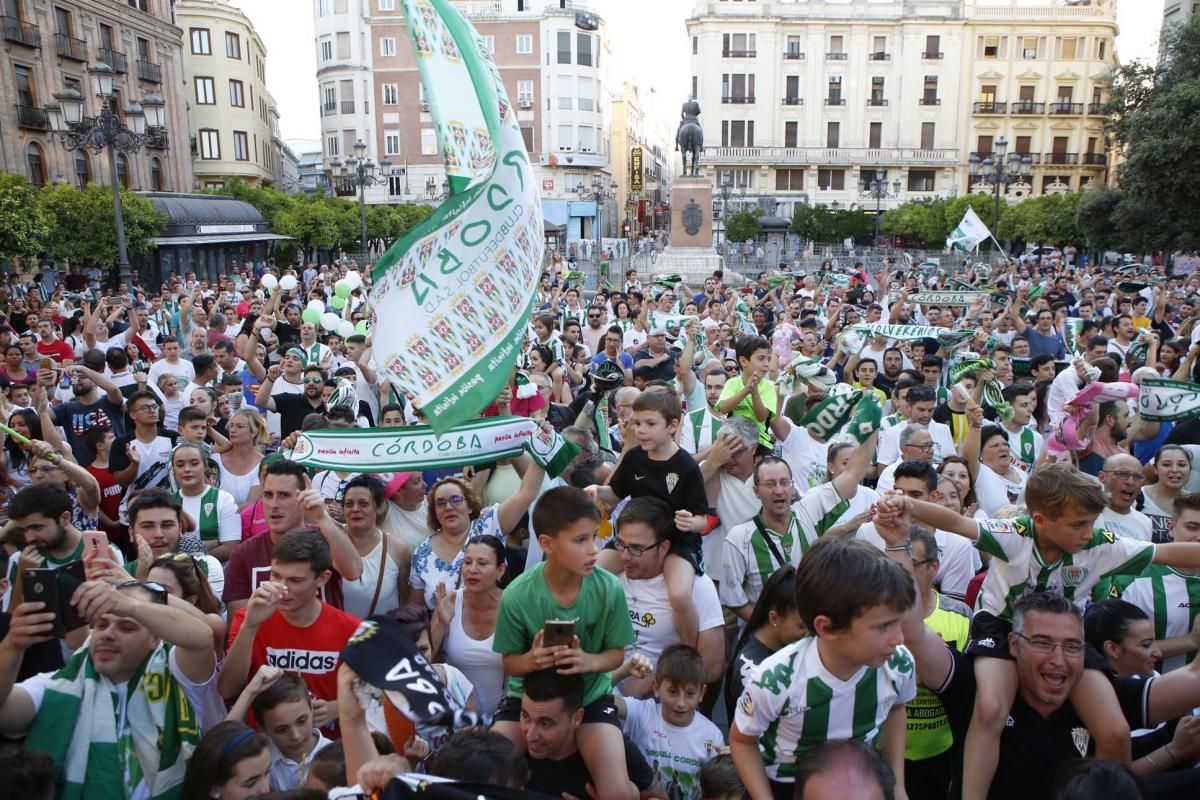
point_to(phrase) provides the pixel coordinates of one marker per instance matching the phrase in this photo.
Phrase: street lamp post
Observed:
(431, 189)
(359, 171)
(997, 170)
(878, 189)
(106, 133)
(599, 191)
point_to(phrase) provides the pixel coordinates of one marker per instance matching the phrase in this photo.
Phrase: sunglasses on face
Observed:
(454, 500)
(314, 380)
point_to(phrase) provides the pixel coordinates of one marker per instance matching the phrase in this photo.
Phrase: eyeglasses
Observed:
(635, 550)
(158, 592)
(314, 380)
(146, 407)
(1045, 645)
(782, 483)
(926, 448)
(454, 500)
(731, 369)
(1121, 474)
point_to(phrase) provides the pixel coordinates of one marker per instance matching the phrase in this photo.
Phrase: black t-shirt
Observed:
(1185, 433)
(75, 418)
(286, 336)
(676, 481)
(1033, 747)
(663, 372)
(571, 775)
(293, 408)
(752, 654)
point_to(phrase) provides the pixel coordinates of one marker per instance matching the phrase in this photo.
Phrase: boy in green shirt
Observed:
(568, 586)
(750, 394)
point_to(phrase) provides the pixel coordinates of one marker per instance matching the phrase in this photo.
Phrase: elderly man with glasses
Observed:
(1122, 477)
(916, 444)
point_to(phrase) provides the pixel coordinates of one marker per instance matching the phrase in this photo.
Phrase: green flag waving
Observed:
(455, 294)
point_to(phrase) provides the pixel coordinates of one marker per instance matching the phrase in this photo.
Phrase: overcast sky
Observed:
(649, 41)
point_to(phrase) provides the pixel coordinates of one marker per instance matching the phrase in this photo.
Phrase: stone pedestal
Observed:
(691, 213)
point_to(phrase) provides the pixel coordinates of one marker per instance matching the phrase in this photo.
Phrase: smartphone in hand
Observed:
(558, 632)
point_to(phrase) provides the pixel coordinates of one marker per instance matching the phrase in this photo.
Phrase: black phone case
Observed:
(41, 586)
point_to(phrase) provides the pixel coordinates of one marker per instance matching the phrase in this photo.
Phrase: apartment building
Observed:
(552, 56)
(1035, 75)
(225, 70)
(47, 50)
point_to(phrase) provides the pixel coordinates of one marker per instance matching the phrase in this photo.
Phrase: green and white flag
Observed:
(855, 414)
(835, 278)
(905, 333)
(420, 447)
(453, 297)
(936, 298)
(1162, 400)
(969, 233)
(1071, 331)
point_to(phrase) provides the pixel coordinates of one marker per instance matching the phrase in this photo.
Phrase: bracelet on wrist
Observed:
(906, 547)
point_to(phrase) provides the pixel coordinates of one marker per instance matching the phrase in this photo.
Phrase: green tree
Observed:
(743, 226)
(851, 224)
(1154, 123)
(83, 227)
(24, 225)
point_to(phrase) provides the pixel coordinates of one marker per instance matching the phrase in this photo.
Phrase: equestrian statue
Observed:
(690, 136)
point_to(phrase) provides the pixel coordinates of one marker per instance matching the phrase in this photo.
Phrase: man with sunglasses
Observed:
(293, 408)
(614, 337)
(594, 333)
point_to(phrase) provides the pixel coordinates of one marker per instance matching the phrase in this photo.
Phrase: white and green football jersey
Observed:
(792, 703)
(1172, 600)
(1018, 568)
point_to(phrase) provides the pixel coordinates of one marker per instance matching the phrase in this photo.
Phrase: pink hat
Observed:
(393, 482)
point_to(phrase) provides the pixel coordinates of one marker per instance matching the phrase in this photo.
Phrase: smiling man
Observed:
(1122, 476)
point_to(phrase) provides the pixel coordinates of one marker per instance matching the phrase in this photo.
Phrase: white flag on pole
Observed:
(969, 233)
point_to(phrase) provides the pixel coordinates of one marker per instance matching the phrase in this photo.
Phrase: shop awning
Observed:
(217, 238)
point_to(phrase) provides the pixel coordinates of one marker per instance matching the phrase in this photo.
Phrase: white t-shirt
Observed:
(182, 369)
(994, 491)
(286, 774)
(1133, 525)
(807, 458)
(959, 560)
(889, 442)
(674, 753)
(650, 612)
(736, 504)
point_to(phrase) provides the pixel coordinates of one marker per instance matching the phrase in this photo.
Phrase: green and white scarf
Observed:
(1071, 331)
(418, 448)
(856, 414)
(76, 726)
(993, 390)
(1162, 400)
(944, 298)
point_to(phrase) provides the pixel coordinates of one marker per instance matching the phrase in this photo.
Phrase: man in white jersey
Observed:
(921, 403)
(643, 531)
(1024, 441)
(700, 427)
(1171, 596)
(1122, 476)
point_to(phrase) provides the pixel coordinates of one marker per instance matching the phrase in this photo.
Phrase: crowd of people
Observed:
(822, 538)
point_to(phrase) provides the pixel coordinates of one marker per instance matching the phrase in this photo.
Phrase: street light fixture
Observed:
(431, 188)
(107, 133)
(878, 189)
(600, 190)
(997, 170)
(359, 171)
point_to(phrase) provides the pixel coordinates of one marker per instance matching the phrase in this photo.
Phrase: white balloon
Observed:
(317, 306)
(287, 282)
(354, 279)
(345, 328)
(269, 282)
(330, 320)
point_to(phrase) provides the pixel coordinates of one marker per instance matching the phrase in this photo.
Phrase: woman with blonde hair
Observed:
(239, 464)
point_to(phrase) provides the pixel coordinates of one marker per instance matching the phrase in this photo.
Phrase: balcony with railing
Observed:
(737, 99)
(114, 58)
(1062, 158)
(347, 106)
(989, 107)
(1026, 107)
(835, 100)
(33, 118)
(328, 109)
(880, 56)
(793, 101)
(849, 156)
(21, 32)
(877, 101)
(1095, 159)
(149, 72)
(836, 56)
(739, 53)
(930, 100)
(932, 56)
(793, 55)
(70, 47)
(1034, 158)
(156, 138)
(1065, 107)
(1096, 109)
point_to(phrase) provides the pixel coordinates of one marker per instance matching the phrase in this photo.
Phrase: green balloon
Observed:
(363, 327)
(338, 302)
(341, 288)
(311, 315)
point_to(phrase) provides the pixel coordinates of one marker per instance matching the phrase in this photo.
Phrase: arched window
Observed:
(123, 170)
(83, 168)
(156, 174)
(36, 160)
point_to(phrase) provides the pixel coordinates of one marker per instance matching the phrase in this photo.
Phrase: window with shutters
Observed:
(833, 134)
(927, 133)
(789, 180)
(832, 179)
(875, 136)
(791, 134)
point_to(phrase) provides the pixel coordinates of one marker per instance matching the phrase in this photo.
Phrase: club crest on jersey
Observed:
(672, 481)
(1080, 737)
(746, 703)
(208, 508)
(1074, 574)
